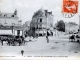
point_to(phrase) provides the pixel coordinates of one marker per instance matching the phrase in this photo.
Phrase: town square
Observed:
(40, 28)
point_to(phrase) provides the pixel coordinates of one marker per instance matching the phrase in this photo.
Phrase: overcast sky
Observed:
(26, 9)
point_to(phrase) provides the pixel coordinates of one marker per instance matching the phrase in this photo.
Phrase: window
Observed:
(37, 26)
(0, 14)
(40, 20)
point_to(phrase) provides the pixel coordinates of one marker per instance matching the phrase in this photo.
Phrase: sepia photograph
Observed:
(39, 29)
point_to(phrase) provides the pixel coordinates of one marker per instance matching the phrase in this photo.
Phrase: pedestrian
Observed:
(22, 52)
(47, 37)
(51, 33)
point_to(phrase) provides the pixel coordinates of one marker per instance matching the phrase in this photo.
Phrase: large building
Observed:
(42, 20)
(9, 19)
(10, 22)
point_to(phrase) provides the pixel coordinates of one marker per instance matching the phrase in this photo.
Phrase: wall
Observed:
(9, 21)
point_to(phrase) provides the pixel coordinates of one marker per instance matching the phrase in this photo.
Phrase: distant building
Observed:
(71, 27)
(42, 20)
(10, 21)
(26, 27)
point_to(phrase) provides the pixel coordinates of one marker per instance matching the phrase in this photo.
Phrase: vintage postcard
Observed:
(39, 29)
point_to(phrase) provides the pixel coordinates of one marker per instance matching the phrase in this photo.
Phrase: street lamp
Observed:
(13, 27)
(5, 23)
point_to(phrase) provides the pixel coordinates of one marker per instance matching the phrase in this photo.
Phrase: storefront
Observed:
(18, 31)
(5, 30)
(11, 30)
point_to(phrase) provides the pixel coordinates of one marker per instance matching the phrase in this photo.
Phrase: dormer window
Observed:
(12, 15)
(5, 15)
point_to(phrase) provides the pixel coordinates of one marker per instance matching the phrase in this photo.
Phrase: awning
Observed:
(5, 31)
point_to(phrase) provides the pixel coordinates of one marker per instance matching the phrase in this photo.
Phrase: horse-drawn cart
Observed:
(74, 37)
(11, 39)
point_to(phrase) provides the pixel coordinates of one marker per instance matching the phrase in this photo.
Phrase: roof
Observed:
(42, 12)
(8, 15)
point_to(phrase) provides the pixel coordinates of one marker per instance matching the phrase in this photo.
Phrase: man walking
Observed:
(22, 52)
(47, 37)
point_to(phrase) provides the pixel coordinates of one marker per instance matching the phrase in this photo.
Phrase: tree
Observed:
(60, 26)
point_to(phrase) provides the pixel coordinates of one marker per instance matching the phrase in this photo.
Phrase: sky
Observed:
(26, 9)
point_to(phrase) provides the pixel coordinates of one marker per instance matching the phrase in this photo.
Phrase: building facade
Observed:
(11, 22)
(42, 20)
(71, 27)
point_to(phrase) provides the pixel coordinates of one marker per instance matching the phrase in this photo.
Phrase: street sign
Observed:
(5, 27)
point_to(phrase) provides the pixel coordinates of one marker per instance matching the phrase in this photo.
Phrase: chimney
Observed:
(15, 12)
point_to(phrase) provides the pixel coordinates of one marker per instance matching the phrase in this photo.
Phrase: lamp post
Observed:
(46, 24)
(13, 27)
(5, 23)
(47, 34)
